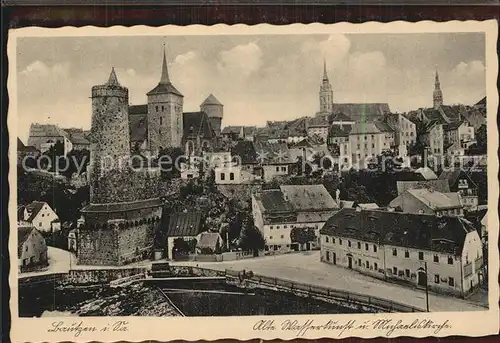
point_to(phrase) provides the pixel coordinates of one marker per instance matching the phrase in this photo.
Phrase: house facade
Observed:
(31, 248)
(460, 181)
(443, 254)
(429, 201)
(367, 140)
(42, 216)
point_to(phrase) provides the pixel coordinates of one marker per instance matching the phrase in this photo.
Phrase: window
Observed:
(366, 246)
(231, 176)
(40, 224)
(277, 227)
(326, 239)
(277, 169)
(374, 248)
(359, 262)
(270, 237)
(450, 260)
(407, 272)
(395, 270)
(283, 169)
(333, 240)
(407, 254)
(420, 255)
(26, 248)
(282, 236)
(162, 108)
(359, 245)
(156, 107)
(349, 243)
(161, 120)
(366, 146)
(436, 278)
(375, 266)
(359, 146)
(286, 227)
(43, 215)
(367, 264)
(394, 252)
(222, 176)
(436, 258)
(451, 282)
(340, 241)
(272, 227)
(373, 146)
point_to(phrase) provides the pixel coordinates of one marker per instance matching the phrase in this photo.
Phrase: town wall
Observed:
(97, 246)
(99, 276)
(135, 243)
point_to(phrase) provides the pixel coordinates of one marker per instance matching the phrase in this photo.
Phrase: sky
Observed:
(257, 78)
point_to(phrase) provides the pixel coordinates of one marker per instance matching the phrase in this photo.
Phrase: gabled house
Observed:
(185, 225)
(274, 158)
(460, 181)
(31, 248)
(441, 253)
(41, 216)
(428, 201)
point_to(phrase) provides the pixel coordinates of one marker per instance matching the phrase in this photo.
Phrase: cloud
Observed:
(240, 61)
(39, 68)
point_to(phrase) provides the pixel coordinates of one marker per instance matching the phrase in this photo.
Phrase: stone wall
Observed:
(99, 276)
(97, 247)
(135, 243)
(126, 185)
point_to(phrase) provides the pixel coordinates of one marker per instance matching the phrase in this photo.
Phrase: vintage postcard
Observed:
(302, 181)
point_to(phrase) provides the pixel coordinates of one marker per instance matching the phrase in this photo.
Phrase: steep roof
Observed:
(433, 114)
(361, 111)
(184, 224)
(273, 201)
(20, 144)
(340, 130)
(452, 112)
(453, 175)
(33, 209)
(417, 231)
(383, 127)
(452, 126)
(122, 206)
(245, 150)
(438, 185)
(309, 197)
(138, 122)
(340, 116)
(361, 128)
(165, 86)
(211, 100)
(197, 124)
(318, 122)
(46, 130)
(272, 153)
(436, 200)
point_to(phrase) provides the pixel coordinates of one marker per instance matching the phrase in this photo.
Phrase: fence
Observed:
(319, 291)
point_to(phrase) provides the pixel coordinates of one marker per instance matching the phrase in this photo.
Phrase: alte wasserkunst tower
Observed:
(124, 209)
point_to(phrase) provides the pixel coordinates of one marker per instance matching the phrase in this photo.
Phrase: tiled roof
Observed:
(164, 88)
(33, 209)
(383, 127)
(361, 128)
(436, 200)
(417, 231)
(308, 197)
(340, 116)
(452, 112)
(272, 201)
(340, 131)
(209, 240)
(122, 206)
(433, 115)
(451, 176)
(318, 122)
(197, 124)
(272, 153)
(438, 185)
(361, 112)
(369, 206)
(46, 130)
(245, 150)
(452, 126)
(231, 129)
(427, 173)
(211, 100)
(185, 224)
(138, 122)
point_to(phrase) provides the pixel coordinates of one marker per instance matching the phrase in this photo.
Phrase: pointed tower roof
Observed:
(211, 100)
(165, 86)
(325, 75)
(437, 77)
(164, 70)
(113, 80)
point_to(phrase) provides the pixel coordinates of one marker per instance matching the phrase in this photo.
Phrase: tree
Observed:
(169, 160)
(251, 238)
(302, 235)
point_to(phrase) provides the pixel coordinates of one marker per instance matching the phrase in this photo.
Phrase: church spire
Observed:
(325, 75)
(437, 96)
(164, 69)
(113, 80)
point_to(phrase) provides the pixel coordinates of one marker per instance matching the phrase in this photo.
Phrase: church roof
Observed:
(113, 80)
(363, 111)
(197, 124)
(165, 86)
(211, 100)
(138, 122)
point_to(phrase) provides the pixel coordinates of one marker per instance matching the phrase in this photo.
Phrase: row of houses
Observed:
(43, 136)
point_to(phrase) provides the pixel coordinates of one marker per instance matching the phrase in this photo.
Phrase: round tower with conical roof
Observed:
(109, 133)
(215, 111)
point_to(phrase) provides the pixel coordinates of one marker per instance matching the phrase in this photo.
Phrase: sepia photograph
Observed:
(293, 182)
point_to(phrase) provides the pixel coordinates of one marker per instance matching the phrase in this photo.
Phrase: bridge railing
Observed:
(351, 297)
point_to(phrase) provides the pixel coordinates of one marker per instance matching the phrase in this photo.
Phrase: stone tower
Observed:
(165, 102)
(325, 94)
(215, 111)
(437, 96)
(109, 133)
